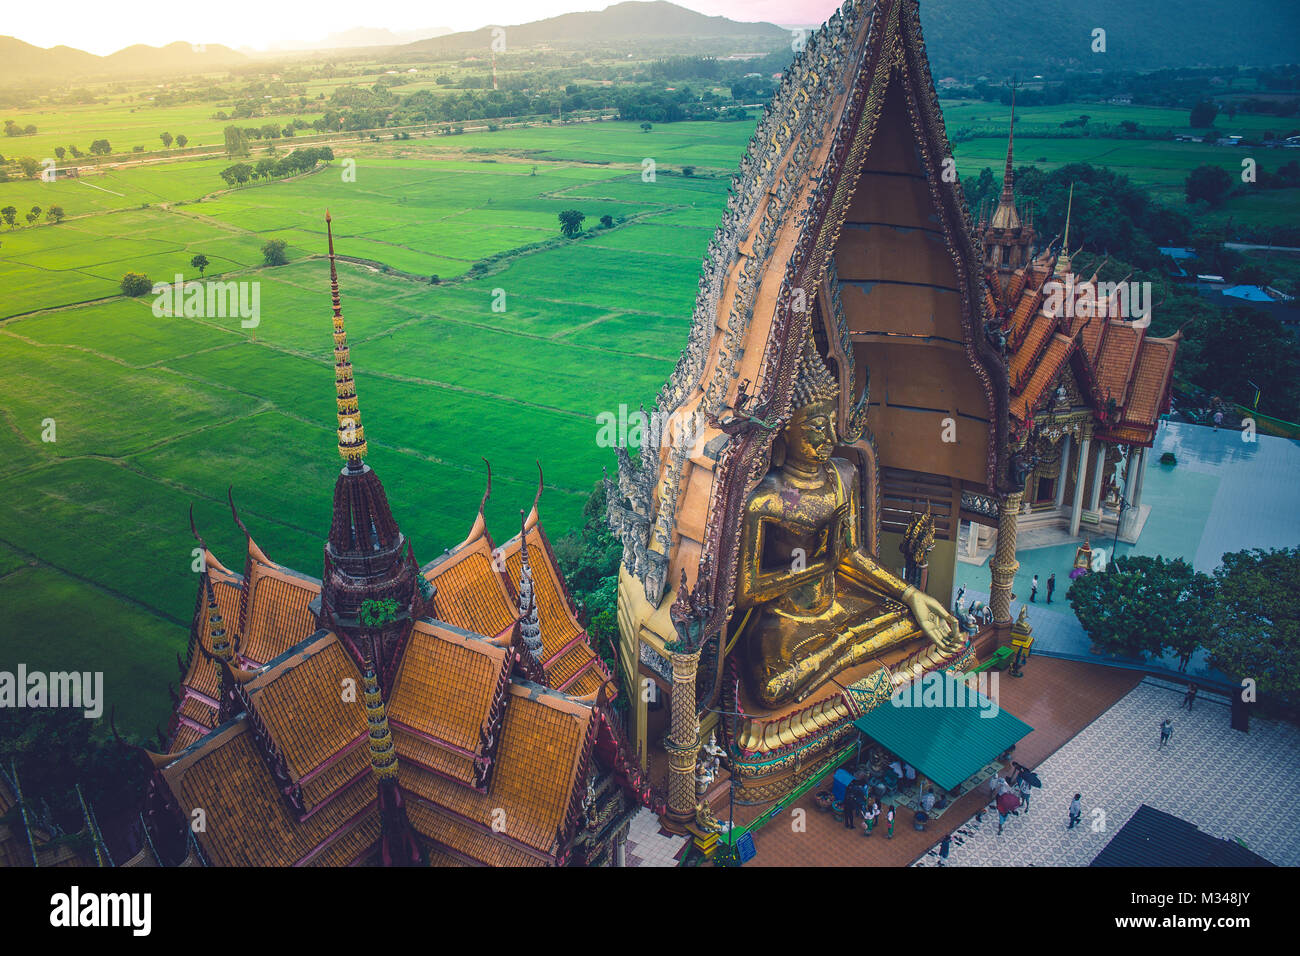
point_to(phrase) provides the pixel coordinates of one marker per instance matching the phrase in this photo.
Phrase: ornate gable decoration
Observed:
(758, 290)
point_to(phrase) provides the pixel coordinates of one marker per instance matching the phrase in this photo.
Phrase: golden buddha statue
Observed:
(815, 601)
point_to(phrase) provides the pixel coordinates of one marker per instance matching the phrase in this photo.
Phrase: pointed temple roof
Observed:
(851, 148)
(322, 760)
(1054, 334)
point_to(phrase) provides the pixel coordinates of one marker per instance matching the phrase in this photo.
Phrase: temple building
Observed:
(866, 374)
(1088, 385)
(390, 713)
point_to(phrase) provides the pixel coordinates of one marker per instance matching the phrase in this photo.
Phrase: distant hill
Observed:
(366, 37)
(632, 23)
(22, 61)
(994, 37)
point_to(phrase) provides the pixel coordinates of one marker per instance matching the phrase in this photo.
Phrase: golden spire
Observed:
(352, 436)
(1063, 260)
(383, 755)
(1005, 216)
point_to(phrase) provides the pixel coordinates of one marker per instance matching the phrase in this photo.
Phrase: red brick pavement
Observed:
(1057, 698)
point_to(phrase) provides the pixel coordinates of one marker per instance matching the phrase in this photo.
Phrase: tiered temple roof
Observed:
(309, 733)
(1058, 325)
(1123, 373)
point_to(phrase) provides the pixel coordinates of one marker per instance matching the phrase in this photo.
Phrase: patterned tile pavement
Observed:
(1232, 785)
(647, 845)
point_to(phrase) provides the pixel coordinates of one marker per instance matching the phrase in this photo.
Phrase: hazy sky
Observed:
(103, 28)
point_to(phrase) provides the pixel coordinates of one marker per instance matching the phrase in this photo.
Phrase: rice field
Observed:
(523, 340)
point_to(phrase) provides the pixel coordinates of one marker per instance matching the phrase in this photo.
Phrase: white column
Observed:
(1077, 509)
(973, 542)
(1096, 477)
(1066, 443)
(1138, 472)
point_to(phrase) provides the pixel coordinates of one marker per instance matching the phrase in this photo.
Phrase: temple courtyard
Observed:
(1232, 785)
(1223, 495)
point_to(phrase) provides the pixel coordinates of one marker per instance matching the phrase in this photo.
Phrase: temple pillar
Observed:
(1066, 444)
(1139, 474)
(1098, 471)
(1080, 476)
(1004, 564)
(683, 743)
(973, 542)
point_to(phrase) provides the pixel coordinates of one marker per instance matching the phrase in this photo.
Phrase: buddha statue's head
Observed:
(810, 436)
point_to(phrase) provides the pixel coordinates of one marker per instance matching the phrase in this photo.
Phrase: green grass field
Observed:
(153, 414)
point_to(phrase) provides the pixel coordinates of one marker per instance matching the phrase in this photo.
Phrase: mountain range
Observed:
(964, 37)
(19, 60)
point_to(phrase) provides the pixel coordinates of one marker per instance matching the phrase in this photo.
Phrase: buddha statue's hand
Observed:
(935, 620)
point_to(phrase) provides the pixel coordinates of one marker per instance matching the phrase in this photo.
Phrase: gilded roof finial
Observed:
(352, 436)
(1008, 175)
(383, 754)
(530, 628)
(1063, 260)
(1005, 216)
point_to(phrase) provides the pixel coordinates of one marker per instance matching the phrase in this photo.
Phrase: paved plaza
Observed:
(1223, 495)
(648, 845)
(1230, 784)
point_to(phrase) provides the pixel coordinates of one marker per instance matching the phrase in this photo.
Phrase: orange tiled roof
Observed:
(277, 615)
(1044, 373)
(471, 594)
(247, 822)
(542, 741)
(445, 688)
(1114, 367)
(1151, 379)
(1025, 358)
(301, 701)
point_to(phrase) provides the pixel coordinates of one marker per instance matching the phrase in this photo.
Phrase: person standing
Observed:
(945, 846)
(869, 817)
(1190, 696)
(890, 817)
(1024, 789)
(1051, 586)
(1076, 810)
(852, 803)
(1166, 731)
(1033, 589)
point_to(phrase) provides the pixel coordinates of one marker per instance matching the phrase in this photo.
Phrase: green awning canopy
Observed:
(942, 728)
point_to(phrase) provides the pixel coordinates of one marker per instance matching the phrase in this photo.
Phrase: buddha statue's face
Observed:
(810, 435)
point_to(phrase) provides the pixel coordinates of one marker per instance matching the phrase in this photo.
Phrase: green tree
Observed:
(10, 214)
(100, 147)
(236, 141)
(273, 251)
(54, 750)
(688, 171)
(136, 284)
(1208, 183)
(29, 166)
(1257, 620)
(199, 262)
(59, 153)
(646, 127)
(55, 214)
(571, 222)
(1142, 605)
(1202, 115)
(606, 221)
(182, 141)
(166, 139)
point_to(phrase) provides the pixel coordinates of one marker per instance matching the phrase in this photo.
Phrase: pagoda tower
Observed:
(368, 561)
(1007, 235)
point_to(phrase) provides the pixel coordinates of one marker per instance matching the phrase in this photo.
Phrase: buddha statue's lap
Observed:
(816, 601)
